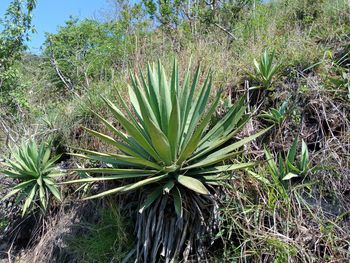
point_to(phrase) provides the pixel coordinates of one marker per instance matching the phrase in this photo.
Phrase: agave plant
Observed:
(34, 171)
(265, 70)
(289, 167)
(275, 116)
(168, 148)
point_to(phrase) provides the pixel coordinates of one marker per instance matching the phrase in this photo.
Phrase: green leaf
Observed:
(226, 152)
(13, 174)
(134, 101)
(174, 128)
(151, 197)
(54, 190)
(51, 162)
(110, 126)
(118, 157)
(154, 96)
(115, 171)
(11, 193)
(49, 181)
(292, 151)
(29, 200)
(160, 142)
(197, 110)
(289, 176)
(304, 156)
(46, 156)
(42, 197)
(178, 202)
(164, 90)
(226, 124)
(187, 98)
(141, 104)
(168, 186)
(259, 177)
(106, 178)
(192, 144)
(271, 164)
(129, 187)
(132, 130)
(222, 168)
(210, 146)
(291, 167)
(192, 184)
(109, 140)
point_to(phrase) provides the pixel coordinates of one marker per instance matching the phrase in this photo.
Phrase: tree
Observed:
(168, 13)
(84, 50)
(17, 26)
(219, 13)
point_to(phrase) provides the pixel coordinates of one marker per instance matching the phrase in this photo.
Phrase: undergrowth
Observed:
(107, 240)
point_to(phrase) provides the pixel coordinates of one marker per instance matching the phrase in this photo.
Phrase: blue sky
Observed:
(49, 14)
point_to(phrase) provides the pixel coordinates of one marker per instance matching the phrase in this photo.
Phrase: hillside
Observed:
(178, 131)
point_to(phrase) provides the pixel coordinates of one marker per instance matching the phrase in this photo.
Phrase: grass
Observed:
(261, 224)
(107, 240)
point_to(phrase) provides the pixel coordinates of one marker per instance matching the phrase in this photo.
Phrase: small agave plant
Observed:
(35, 173)
(265, 70)
(169, 151)
(285, 169)
(275, 116)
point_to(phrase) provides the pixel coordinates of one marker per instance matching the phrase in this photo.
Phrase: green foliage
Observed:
(16, 26)
(3, 223)
(341, 82)
(91, 54)
(275, 116)
(222, 14)
(265, 70)
(167, 146)
(87, 50)
(34, 171)
(339, 77)
(287, 168)
(107, 240)
(166, 12)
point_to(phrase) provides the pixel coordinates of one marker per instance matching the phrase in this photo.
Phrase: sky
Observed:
(49, 14)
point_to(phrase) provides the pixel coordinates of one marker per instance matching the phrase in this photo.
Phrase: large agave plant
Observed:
(34, 171)
(169, 148)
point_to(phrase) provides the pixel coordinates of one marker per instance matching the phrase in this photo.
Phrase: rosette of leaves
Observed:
(275, 116)
(289, 167)
(169, 150)
(34, 173)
